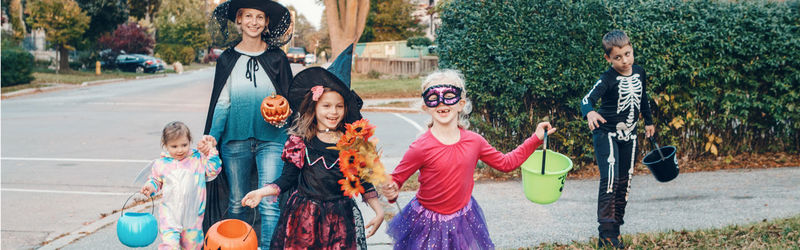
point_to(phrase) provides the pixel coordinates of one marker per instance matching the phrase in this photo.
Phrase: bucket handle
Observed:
(122, 211)
(252, 224)
(655, 146)
(544, 152)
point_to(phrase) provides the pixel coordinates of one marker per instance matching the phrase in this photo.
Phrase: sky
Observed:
(308, 8)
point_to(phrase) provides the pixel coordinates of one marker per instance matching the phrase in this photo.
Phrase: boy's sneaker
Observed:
(614, 242)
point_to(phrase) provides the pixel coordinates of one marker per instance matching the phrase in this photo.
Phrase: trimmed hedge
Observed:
(17, 66)
(172, 53)
(723, 77)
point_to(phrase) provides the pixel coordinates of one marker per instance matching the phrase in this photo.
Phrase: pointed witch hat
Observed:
(336, 77)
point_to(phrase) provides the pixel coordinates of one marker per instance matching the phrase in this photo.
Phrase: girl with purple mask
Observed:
(443, 215)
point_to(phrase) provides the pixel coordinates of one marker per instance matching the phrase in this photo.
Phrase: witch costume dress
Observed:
(317, 215)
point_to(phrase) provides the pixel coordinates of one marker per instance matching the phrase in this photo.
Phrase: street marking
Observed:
(412, 122)
(60, 191)
(73, 159)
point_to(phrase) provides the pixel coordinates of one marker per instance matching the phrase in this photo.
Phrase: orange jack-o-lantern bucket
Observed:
(230, 234)
(275, 109)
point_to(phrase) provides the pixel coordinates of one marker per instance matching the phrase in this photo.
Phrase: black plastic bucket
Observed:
(662, 162)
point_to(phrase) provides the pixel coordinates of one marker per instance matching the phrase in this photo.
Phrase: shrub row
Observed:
(724, 76)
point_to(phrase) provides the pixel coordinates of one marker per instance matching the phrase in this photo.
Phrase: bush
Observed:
(167, 52)
(373, 74)
(716, 69)
(17, 66)
(187, 55)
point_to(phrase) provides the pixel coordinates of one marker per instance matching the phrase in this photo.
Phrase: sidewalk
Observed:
(691, 201)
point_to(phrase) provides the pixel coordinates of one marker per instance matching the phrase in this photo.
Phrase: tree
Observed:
(105, 16)
(129, 37)
(346, 21)
(304, 32)
(63, 22)
(14, 11)
(144, 9)
(391, 20)
(183, 22)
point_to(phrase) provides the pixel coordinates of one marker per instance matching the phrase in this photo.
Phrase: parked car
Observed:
(139, 63)
(311, 59)
(296, 55)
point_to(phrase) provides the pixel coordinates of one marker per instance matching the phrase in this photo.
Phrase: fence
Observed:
(395, 66)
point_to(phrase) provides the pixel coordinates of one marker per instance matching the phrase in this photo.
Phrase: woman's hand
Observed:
(206, 144)
(541, 128)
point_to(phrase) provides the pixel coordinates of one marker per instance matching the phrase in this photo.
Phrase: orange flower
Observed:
(361, 128)
(345, 141)
(349, 163)
(350, 189)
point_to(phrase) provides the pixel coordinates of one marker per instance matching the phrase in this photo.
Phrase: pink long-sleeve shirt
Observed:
(446, 170)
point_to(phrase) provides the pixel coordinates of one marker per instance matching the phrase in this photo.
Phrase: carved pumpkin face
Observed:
(275, 108)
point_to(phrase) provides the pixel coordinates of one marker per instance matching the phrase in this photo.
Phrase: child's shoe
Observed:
(614, 242)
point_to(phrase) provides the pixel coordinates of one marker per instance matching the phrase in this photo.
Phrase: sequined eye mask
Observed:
(435, 94)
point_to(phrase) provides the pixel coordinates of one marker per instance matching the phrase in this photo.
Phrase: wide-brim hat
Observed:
(336, 77)
(280, 20)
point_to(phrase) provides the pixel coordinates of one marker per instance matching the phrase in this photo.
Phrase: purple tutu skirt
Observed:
(419, 228)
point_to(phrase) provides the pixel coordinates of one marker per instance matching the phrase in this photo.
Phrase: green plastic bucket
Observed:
(545, 188)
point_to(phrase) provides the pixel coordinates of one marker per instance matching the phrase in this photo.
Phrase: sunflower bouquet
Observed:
(359, 158)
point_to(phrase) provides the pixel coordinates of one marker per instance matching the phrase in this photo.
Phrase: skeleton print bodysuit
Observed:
(623, 98)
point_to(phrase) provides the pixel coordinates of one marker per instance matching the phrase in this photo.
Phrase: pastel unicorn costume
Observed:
(183, 185)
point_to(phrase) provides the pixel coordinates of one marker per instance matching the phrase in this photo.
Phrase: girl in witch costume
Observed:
(317, 215)
(253, 68)
(443, 215)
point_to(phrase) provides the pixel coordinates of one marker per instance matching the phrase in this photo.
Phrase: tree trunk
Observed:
(18, 20)
(346, 22)
(63, 60)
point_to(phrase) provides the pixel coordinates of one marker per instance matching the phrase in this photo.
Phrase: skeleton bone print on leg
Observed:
(630, 96)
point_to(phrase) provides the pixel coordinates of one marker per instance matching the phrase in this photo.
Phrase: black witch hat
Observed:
(336, 77)
(280, 20)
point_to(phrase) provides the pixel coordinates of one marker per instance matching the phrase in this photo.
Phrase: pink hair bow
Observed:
(317, 90)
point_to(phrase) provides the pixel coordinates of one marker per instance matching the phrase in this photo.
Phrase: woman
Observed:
(252, 69)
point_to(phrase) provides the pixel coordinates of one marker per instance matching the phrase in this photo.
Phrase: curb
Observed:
(22, 92)
(89, 229)
(102, 81)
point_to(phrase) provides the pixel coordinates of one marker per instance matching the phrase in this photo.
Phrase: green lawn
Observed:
(77, 77)
(44, 77)
(775, 234)
(386, 88)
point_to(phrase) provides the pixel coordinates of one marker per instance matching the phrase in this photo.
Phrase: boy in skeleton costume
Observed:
(613, 125)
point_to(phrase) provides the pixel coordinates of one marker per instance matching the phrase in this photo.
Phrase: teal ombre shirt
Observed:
(237, 114)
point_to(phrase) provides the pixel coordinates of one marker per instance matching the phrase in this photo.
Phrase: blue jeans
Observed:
(239, 158)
